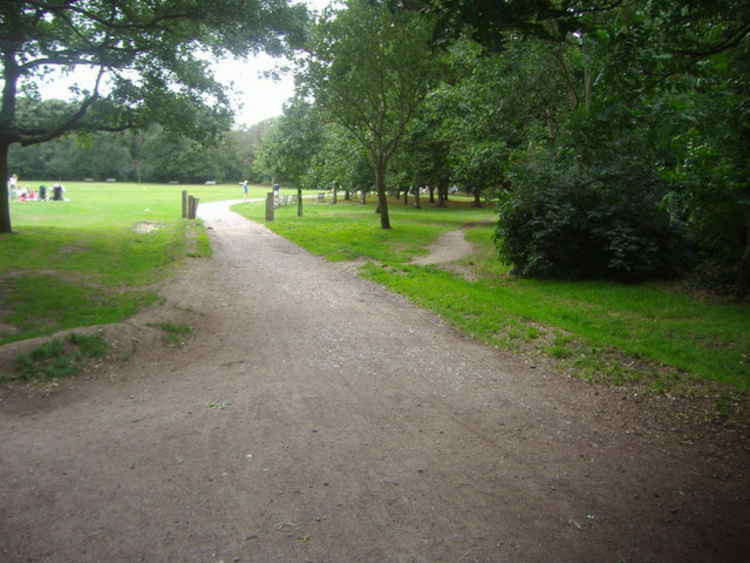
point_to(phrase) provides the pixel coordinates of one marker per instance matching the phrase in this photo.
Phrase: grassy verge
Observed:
(349, 230)
(86, 261)
(601, 331)
(60, 357)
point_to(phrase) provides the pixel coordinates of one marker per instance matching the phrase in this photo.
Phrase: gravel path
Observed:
(317, 417)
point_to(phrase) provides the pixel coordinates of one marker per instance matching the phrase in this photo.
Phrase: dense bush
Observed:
(564, 219)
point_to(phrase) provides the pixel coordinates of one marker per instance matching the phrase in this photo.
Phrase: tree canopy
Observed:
(148, 60)
(369, 69)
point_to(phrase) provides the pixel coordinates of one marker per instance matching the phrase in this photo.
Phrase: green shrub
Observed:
(564, 219)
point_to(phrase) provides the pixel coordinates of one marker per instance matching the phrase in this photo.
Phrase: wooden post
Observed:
(192, 207)
(269, 206)
(184, 204)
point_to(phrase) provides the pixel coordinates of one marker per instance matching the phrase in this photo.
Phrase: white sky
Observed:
(255, 98)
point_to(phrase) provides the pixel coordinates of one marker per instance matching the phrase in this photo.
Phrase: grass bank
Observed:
(602, 331)
(87, 260)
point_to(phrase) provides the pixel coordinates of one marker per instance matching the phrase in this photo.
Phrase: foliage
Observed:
(680, 66)
(568, 219)
(287, 148)
(150, 155)
(369, 69)
(339, 162)
(147, 63)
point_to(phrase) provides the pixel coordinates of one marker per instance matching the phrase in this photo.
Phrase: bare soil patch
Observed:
(449, 247)
(145, 227)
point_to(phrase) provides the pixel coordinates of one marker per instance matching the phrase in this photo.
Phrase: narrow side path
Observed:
(449, 247)
(318, 417)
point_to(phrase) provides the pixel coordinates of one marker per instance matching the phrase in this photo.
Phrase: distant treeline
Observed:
(141, 156)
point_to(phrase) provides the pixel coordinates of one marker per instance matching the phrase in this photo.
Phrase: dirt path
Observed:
(317, 417)
(449, 247)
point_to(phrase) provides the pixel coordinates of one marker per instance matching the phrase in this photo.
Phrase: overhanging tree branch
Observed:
(736, 38)
(68, 124)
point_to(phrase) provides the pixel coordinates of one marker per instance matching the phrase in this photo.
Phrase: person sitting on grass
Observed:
(26, 194)
(57, 192)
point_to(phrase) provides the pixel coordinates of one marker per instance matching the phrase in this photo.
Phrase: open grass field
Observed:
(653, 334)
(83, 262)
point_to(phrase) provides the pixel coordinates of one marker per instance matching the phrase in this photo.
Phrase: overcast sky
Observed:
(259, 98)
(255, 98)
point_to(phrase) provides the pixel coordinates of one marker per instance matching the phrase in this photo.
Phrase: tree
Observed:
(287, 150)
(337, 162)
(146, 58)
(369, 69)
(247, 143)
(664, 84)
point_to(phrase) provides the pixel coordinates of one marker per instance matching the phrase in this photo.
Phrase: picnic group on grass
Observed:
(20, 193)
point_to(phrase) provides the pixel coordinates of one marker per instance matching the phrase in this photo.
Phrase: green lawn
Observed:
(81, 262)
(349, 230)
(600, 330)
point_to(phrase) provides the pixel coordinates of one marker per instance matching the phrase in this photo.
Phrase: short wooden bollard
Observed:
(184, 204)
(192, 207)
(269, 206)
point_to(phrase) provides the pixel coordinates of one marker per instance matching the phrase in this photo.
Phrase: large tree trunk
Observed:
(442, 193)
(299, 202)
(743, 268)
(416, 198)
(477, 194)
(406, 196)
(5, 226)
(364, 196)
(347, 195)
(380, 165)
(432, 193)
(335, 194)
